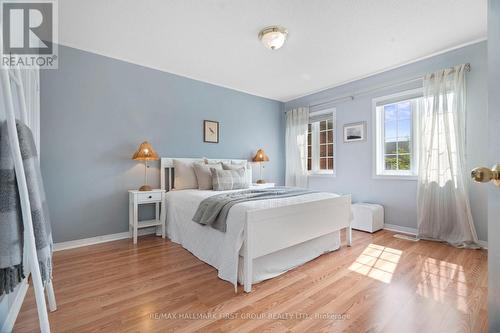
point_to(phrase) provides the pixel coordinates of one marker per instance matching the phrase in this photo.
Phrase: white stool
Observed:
(367, 217)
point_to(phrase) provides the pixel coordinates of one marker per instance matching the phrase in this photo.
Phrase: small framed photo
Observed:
(355, 132)
(211, 131)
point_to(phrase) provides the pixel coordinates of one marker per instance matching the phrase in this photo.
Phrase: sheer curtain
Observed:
(30, 78)
(443, 208)
(31, 82)
(296, 147)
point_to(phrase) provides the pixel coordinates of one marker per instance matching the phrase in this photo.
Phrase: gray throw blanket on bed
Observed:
(213, 210)
(11, 221)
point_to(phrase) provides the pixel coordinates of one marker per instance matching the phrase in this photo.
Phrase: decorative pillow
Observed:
(223, 180)
(226, 166)
(207, 161)
(237, 167)
(204, 175)
(184, 176)
(248, 166)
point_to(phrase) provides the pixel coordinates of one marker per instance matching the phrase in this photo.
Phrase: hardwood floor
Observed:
(381, 284)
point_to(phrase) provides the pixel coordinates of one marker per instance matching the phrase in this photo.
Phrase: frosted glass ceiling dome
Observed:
(273, 37)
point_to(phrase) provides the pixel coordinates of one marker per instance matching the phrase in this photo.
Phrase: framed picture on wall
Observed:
(355, 132)
(211, 131)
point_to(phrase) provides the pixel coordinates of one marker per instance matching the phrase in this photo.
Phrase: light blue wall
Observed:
(354, 160)
(96, 110)
(494, 157)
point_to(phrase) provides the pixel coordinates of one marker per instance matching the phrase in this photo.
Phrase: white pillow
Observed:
(248, 167)
(224, 180)
(204, 175)
(184, 176)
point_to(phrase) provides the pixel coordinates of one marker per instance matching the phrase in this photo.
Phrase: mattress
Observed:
(224, 250)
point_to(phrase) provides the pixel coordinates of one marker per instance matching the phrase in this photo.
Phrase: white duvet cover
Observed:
(223, 250)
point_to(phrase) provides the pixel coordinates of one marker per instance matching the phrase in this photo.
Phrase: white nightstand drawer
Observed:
(148, 196)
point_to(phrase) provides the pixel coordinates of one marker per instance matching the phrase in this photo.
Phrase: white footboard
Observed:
(273, 229)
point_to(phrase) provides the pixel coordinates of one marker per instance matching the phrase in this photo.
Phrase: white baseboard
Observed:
(15, 307)
(124, 235)
(484, 244)
(98, 239)
(413, 232)
(398, 228)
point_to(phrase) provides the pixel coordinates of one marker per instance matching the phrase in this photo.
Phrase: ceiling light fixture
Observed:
(273, 37)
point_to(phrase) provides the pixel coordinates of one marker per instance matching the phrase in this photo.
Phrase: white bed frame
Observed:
(323, 217)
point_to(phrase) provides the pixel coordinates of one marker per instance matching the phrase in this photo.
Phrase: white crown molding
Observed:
(475, 41)
(282, 100)
(104, 54)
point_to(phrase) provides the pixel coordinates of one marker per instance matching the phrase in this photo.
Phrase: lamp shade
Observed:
(261, 156)
(145, 153)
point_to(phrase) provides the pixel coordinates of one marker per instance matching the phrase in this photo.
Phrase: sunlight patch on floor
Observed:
(446, 282)
(378, 262)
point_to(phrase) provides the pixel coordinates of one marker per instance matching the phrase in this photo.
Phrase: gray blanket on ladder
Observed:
(213, 210)
(11, 222)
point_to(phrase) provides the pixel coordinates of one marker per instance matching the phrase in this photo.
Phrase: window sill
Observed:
(396, 177)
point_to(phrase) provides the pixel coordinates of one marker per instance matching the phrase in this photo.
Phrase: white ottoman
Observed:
(367, 217)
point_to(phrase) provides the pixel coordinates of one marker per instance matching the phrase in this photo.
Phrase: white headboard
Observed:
(167, 168)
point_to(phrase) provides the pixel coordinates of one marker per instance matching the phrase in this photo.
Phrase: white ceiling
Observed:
(330, 41)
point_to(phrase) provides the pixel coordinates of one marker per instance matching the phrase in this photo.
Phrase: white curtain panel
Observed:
(443, 208)
(30, 79)
(296, 147)
(31, 83)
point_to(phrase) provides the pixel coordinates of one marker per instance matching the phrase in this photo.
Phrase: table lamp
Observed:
(145, 153)
(260, 157)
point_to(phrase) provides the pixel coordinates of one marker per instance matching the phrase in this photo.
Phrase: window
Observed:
(395, 145)
(320, 143)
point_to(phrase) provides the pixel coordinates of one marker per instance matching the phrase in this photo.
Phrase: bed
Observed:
(263, 238)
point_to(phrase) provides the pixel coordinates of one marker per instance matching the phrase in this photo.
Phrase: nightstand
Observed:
(137, 198)
(265, 185)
